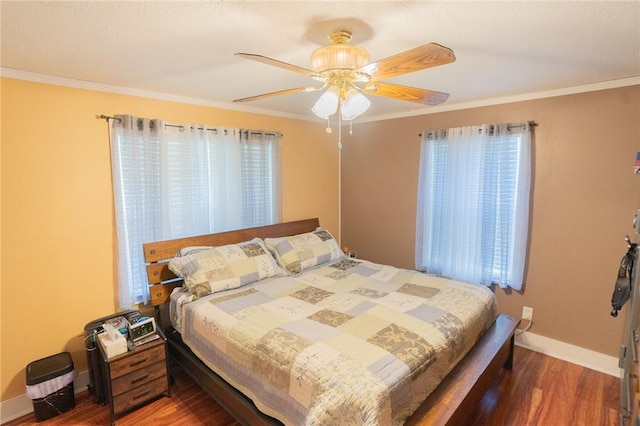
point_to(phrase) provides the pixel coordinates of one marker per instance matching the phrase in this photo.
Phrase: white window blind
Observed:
(262, 198)
(173, 181)
(473, 203)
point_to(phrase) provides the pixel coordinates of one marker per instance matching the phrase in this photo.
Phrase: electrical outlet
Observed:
(527, 313)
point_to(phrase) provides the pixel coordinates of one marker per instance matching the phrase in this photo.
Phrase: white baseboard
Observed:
(21, 405)
(570, 353)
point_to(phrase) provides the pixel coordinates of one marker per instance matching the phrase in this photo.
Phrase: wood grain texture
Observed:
(411, 94)
(540, 390)
(416, 59)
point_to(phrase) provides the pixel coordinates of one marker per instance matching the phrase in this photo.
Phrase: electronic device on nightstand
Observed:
(142, 331)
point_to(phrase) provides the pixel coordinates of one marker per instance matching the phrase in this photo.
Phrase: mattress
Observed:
(352, 342)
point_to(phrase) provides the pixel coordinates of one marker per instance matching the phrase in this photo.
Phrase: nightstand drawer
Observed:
(135, 361)
(138, 377)
(139, 395)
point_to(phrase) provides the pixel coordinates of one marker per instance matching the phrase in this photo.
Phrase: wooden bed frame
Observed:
(450, 404)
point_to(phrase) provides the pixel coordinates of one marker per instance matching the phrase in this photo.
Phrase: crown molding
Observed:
(130, 91)
(88, 85)
(612, 84)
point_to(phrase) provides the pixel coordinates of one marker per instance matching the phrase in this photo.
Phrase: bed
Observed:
(305, 335)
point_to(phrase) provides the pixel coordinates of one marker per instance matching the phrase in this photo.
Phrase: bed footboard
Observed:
(455, 399)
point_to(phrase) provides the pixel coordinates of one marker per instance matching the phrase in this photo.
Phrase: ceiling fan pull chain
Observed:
(329, 130)
(340, 132)
(351, 127)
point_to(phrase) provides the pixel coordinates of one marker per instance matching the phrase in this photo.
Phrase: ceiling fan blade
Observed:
(281, 92)
(426, 56)
(283, 65)
(404, 93)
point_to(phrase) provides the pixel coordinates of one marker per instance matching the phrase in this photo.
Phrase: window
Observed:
(261, 202)
(473, 203)
(173, 181)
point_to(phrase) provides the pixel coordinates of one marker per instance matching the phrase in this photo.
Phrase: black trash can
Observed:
(50, 385)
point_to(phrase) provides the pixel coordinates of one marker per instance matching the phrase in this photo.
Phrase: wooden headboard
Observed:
(157, 254)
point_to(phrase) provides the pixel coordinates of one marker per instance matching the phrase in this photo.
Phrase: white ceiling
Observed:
(504, 49)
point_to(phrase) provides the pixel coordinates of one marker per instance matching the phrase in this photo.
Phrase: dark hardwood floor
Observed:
(540, 390)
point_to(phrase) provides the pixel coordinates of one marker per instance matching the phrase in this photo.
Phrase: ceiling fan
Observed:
(346, 73)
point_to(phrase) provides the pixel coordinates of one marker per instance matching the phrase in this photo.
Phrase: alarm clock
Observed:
(142, 329)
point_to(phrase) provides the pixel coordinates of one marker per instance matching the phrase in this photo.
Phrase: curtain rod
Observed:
(531, 124)
(252, 132)
(107, 117)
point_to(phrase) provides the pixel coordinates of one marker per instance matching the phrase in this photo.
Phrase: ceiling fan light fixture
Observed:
(327, 104)
(354, 105)
(339, 55)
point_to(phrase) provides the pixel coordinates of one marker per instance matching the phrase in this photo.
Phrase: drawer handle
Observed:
(138, 362)
(141, 394)
(139, 379)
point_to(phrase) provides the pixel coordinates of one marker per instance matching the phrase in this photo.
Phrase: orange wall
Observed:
(58, 234)
(584, 197)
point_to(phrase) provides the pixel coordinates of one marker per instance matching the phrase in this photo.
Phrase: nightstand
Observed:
(135, 377)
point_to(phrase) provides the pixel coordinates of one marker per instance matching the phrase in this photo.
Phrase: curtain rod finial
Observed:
(106, 117)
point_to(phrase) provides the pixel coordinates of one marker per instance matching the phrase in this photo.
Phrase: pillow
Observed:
(207, 270)
(303, 251)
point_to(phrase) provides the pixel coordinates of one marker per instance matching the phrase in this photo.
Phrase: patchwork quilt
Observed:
(347, 343)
